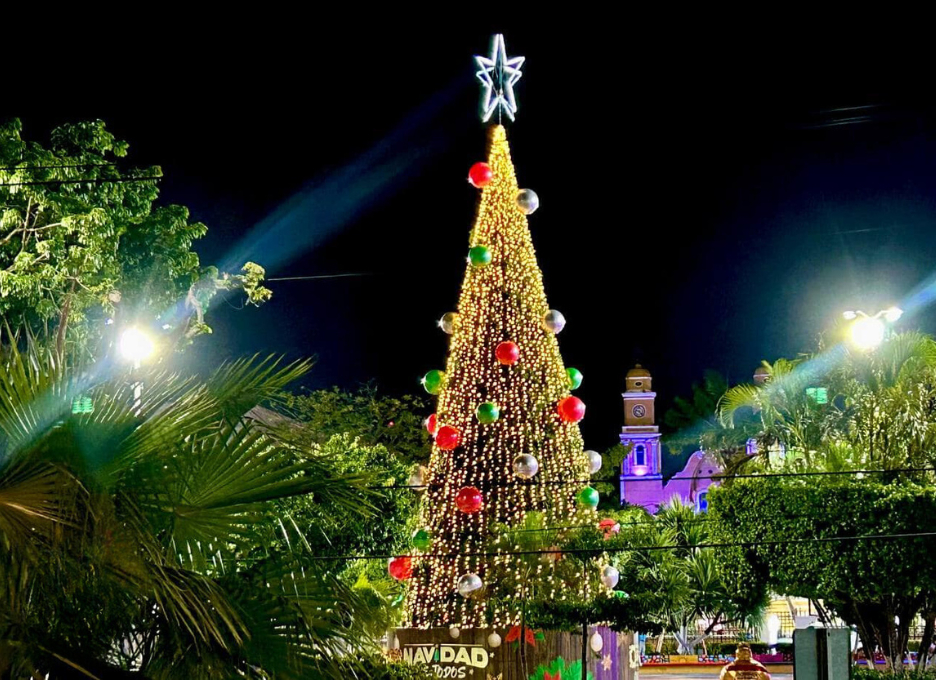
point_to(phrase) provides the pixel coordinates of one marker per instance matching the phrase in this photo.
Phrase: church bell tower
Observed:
(641, 470)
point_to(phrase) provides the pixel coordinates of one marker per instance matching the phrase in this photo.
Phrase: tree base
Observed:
(532, 655)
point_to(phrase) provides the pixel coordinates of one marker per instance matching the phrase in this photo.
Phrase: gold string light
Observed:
(501, 300)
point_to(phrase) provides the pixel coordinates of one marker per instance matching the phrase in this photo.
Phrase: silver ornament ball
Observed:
(527, 201)
(454, 631)
(470, 585)
(594, 461)
(494, 640)
(525, 466)
(447, 322)
(553, 321)
(610, 576)
(596, 643)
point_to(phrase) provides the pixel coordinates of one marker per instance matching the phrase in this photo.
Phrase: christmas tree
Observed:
(507, 444)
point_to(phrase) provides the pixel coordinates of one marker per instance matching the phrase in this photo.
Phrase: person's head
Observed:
(743, 652)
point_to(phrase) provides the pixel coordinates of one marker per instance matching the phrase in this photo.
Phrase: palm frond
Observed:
(33, 395)
(903, 354)
(35, 499)
(243, 384)
(734, 400)
(156, 526)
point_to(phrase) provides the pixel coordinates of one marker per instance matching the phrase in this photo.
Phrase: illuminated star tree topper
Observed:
(498, 75)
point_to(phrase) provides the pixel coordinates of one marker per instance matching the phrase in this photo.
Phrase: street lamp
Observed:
(136, 346)
(867, 332)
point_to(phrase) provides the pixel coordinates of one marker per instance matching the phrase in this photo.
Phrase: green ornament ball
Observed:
(588, 498)
(487, 412)
(479, 256)
(422, 539)
(433, 380)
(575, 378)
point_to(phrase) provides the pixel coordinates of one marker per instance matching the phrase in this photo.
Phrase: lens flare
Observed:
(135, 345)
(867, 333)
(893, 314)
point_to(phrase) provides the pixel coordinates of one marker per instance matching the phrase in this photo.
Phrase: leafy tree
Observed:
(345, 531)
(689, 420)
(693, 424)
(81, 238)
(373, 419)
(878, 413)
(362, 432)
(803, 538)
(611, 461)
(667, 556)
(154, 537)
(669, 579)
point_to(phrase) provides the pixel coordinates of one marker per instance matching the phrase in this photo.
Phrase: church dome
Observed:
(638, 379)
(638, 371)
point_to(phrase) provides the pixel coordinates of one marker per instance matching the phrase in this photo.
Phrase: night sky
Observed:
(704, 203)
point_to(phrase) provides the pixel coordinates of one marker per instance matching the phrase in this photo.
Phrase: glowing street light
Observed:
(892, 314)
(867, 332)
(136, 346)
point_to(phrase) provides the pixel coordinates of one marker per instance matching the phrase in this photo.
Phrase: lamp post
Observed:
(136, 346)
(867, 332)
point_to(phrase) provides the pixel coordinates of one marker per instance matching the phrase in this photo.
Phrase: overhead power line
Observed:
(318, 276)
(623, 549)
(90, 180)
(677, 521)
(55, 167)
(632, 480)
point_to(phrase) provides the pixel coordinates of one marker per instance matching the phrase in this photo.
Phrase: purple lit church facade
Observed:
(641, 472)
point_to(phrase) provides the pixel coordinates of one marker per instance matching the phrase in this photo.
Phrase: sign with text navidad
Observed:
(447, 660)
(467, 654)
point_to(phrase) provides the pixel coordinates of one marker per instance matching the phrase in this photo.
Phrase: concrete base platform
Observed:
(672, 671)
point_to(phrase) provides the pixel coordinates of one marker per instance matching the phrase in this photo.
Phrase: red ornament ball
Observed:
(571, 409)
(507, 353)
(480, 175)
(448, 437)
(400, 568)
(469, 500)
(432, 423)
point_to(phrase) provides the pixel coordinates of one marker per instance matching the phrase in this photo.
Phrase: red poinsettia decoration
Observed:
(609, 527)
(514, 635)
(552, 676)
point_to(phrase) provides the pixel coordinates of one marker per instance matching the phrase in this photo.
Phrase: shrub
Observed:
(380, 668)
(865, 673)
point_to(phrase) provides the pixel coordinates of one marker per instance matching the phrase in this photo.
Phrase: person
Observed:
(744, 667)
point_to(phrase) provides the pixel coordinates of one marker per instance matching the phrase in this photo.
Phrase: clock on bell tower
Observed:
(639, 397)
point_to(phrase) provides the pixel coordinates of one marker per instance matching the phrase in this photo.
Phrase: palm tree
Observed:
(880, 412)
(154, 539)
(780, 409)
(706, 593)
(880, 415)
(694, 423)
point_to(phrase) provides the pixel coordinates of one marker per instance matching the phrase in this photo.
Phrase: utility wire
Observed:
(617, 480)
(648, 548)
(53, 167)
(97, 180)
(320, 276)
(635, 523)
(647, 522)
